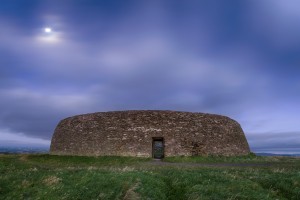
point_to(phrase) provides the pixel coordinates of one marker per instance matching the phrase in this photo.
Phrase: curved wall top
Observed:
(133, 133)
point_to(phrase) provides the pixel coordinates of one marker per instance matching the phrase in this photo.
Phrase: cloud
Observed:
(228, 59)
(274, 30)
(9, 138)
(278, 142)
(35, 113)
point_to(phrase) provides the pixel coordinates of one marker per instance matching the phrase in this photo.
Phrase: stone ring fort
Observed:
(149, 134)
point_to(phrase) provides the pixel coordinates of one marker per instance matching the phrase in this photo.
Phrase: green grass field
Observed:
(70, 177)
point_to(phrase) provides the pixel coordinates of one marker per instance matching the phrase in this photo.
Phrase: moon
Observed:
(49, 35)
(48, 30)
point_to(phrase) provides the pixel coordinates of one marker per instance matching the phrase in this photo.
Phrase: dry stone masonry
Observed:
(133, 133)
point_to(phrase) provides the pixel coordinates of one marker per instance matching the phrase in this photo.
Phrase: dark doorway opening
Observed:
(158, 147)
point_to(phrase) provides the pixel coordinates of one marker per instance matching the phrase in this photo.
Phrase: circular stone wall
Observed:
(132, 133)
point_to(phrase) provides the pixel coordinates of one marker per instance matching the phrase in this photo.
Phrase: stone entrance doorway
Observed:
(158, 148)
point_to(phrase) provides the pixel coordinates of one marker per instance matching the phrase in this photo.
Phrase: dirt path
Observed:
(162, 163)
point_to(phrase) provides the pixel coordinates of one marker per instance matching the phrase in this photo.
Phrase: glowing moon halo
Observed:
(49, 35)
(48, 30)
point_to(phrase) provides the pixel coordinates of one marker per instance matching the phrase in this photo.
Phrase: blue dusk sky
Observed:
(239, 58)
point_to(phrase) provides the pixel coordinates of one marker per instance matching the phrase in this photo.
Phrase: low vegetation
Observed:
(251, 158)
(70, 177)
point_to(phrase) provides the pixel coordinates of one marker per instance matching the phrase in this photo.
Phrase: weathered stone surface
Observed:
(131, 133)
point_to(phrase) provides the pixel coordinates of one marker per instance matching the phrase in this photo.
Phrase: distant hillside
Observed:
(19, 150)
(272, 154)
